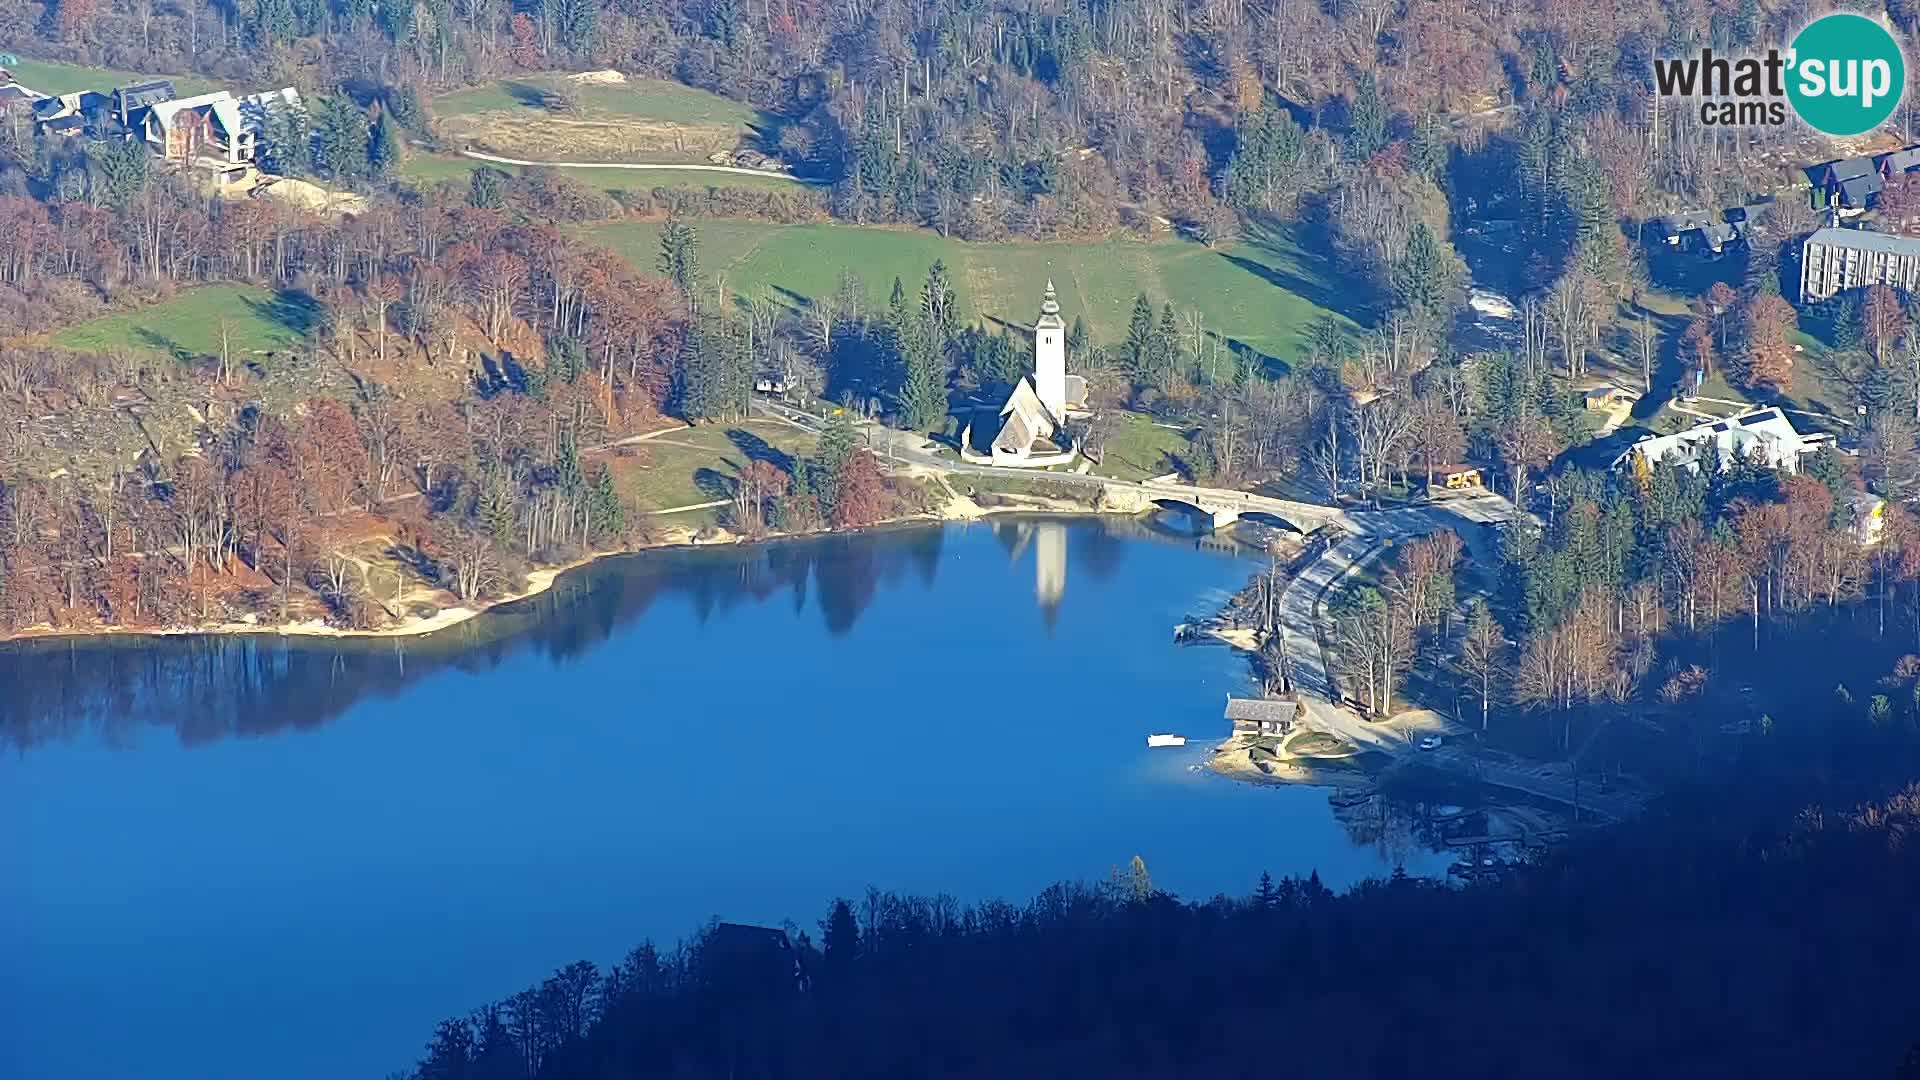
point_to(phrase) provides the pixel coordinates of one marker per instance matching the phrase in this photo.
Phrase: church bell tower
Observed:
(1050, 357)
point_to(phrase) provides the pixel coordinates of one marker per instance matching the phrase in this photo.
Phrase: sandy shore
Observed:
(957, 508)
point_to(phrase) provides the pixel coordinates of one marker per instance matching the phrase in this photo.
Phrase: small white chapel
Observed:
(1032, 432)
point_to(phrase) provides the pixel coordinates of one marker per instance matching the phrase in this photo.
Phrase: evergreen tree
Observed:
(923, 394)
(828, 466)
(1846, 320)
(1138, 350)
(340, 139)
(383, 148)
(123, 170)
(606, 511)
(487, 188)
(839, 944)
(999, 360)
(574, 23)
(679, 259)
(1077, 342)
(403, 104)
(273, 22)
(1263, 170)
(286, 141)
(1166, 345)
(702, 389)
(1366, 120)
(1420, 277)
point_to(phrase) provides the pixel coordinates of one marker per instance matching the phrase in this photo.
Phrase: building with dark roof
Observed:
(1852, 183)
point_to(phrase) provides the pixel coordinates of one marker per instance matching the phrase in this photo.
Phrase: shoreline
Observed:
(540, 580)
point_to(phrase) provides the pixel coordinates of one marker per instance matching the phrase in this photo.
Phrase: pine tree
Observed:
(1138, 350)
(701, 376)
(286, 141)
(1166, 345)
(608, 513)
(1077, 343)
(923, 394)
(1419, 277)
(487, 189)
(383, 147)
(1366, 120)
(340, 139)
(679, 259)
(1262, 170)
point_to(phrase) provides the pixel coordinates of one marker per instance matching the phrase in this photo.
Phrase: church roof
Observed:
(1016, 435)
(1049, 309)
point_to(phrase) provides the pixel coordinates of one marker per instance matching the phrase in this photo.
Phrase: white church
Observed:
(1033, 420)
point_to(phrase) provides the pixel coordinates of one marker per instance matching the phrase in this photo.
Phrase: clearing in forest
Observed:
(555, 118)
(189, 324)
(1264, 292)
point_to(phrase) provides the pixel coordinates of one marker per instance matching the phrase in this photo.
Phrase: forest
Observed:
(1704, 943)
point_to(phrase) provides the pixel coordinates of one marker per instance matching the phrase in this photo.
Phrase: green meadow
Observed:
(53, 77)
(1263, 291)
(256, 319)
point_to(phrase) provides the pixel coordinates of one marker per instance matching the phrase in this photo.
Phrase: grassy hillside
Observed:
(52, 77)
(257, 319)
(1264, 291)
(644, 120)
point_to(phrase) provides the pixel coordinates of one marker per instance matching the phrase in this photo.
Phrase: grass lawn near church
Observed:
(1264, 291)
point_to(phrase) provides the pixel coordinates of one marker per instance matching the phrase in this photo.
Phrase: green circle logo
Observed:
(1845, 74)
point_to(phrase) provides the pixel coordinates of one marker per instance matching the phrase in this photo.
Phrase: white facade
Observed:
(1764, 435)
(1050, 357)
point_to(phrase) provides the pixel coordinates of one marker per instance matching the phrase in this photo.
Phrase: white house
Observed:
(1763, 435)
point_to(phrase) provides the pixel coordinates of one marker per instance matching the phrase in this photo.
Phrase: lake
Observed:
(259, 856)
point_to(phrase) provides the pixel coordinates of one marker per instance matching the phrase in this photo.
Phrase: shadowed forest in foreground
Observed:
(1697, 944)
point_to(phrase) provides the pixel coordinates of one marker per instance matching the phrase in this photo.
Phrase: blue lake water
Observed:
(227, 858)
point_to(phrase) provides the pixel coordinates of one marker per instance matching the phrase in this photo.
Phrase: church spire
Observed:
(1048, 305)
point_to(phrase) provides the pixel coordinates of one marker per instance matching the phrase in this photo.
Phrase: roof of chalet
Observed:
(151, 92)
(1900, 161)
(1856, 190)
(1719, 235)
(70, 124)
(1684, 222)
(165, 111)
(251, 111)
(1866, 240)
(1846, 168)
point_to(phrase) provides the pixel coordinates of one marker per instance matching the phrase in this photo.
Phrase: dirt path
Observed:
(478, 155)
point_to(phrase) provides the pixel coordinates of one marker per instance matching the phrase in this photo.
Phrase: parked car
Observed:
(1429, 742)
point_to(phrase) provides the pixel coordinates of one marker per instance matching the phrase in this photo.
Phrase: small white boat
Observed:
(1166, 740)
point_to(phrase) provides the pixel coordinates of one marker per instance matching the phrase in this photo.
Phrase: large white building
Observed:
(1835, 260)
(1763, 435)
(1036, 411)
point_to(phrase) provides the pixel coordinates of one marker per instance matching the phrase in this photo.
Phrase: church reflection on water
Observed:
(207, 688)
